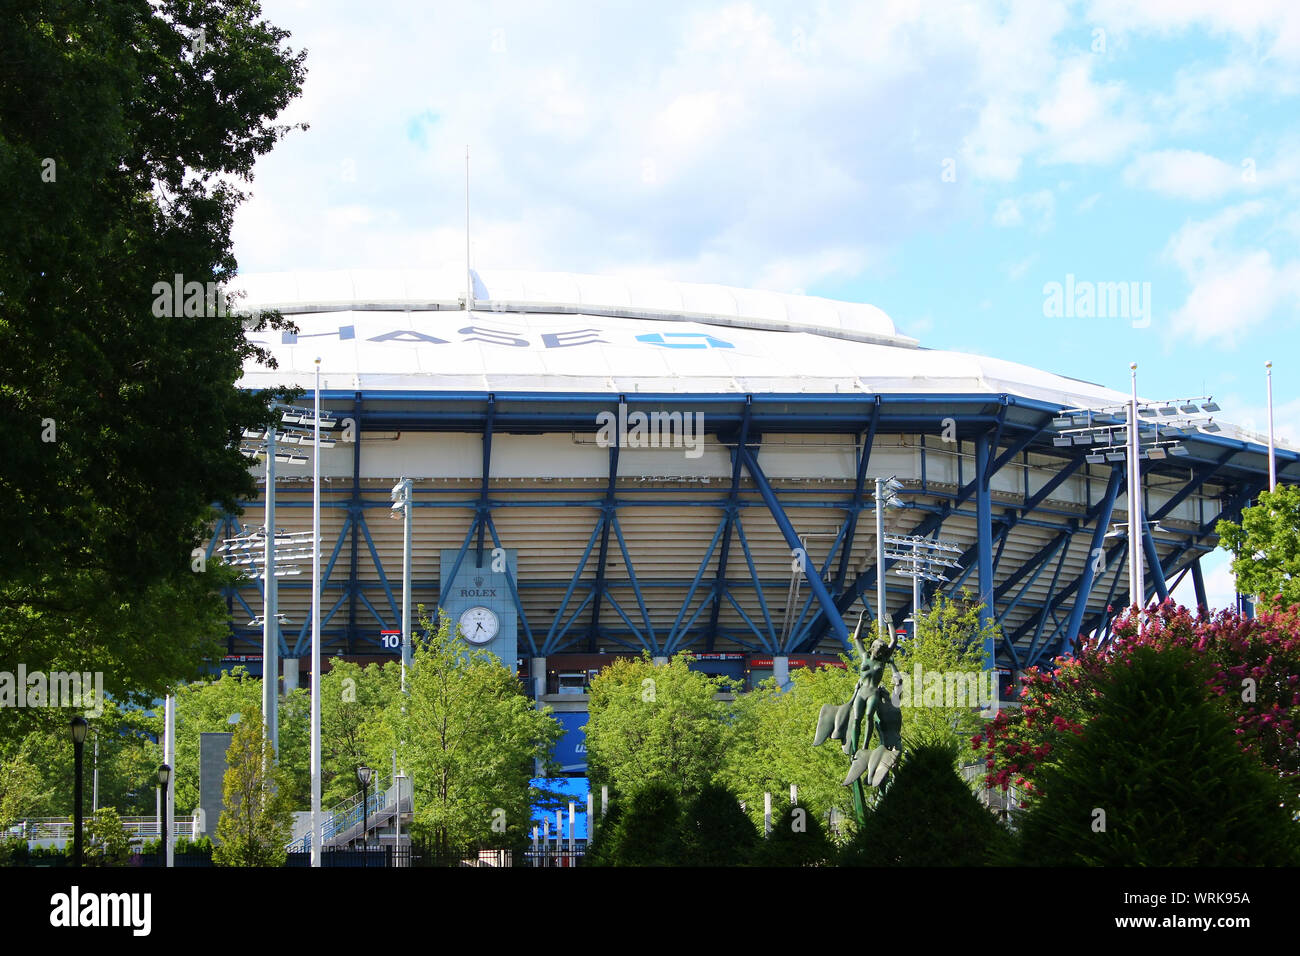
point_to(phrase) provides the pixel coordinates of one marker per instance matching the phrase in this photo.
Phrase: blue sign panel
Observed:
(571, 749)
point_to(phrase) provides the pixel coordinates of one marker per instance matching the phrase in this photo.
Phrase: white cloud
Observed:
(1183, 174)
(1233, 288)
(765, 144)
(1270, 26)
(1017, 270)
(1251, 414)
(1087, 122)
(1037, 209)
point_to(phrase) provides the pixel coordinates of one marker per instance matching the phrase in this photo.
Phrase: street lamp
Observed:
(363, 778)
(402, 504)
(316, 819)
(887, 490)
(920, 557)
(164, 777)
(302, 427)
(1129, 433)
(1272, 451)
(78, 728)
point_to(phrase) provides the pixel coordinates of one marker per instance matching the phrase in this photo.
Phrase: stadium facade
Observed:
(609, 466)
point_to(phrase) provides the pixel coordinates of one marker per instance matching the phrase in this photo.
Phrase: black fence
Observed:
(379, 858)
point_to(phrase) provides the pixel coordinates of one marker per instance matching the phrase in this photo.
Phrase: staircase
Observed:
(342, 824)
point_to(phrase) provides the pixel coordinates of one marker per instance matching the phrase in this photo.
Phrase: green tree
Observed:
(767, 745)
(206, 707)
(257, 820)
(647, 832)
(107, 840)
(1156, 779)
(468, 737)
(797, 839)
(949, 643)
(20, 785)
(128, 760)
(125, 127)
(1265, 547)
(649, 724)
(927, 816)
(715, 831)
(353, 702)
(602, 844)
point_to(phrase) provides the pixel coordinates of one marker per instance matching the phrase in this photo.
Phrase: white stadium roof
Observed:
(560, 332)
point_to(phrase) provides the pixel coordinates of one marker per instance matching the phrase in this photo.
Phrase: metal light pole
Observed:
(402, 501)
(1272, 454)
(916, 586)
(886, 489)
(880, 559)
(1165, 428)
(78, 727)
(920, 558)
(1136, 583)
(270, 612)
(164, 825)
(363, 778)
(316, 820)
(169, 785)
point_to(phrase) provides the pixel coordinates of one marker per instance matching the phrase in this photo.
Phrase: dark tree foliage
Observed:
(927, 817)
(602, 842)
(123, 126)
(647, 832)
(797, 839)
(1159, 761)
(715, 831)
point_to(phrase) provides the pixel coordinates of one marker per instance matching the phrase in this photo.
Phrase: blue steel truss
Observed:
(997, 430)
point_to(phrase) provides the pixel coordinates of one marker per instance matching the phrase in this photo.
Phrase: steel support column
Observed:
(859, 490)
(792, 539)
(984, 536)
(1198, 582)
(1096, 550)
(728, 520)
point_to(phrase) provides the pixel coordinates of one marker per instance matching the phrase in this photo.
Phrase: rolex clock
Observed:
(479, 624)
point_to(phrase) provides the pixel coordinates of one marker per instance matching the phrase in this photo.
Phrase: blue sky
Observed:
(943, 161)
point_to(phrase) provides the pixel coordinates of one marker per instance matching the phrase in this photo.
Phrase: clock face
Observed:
(478, 625)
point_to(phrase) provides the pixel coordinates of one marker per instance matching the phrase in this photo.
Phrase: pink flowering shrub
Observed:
(1252, 668)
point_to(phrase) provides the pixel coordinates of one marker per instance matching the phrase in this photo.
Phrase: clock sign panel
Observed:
(479, 602)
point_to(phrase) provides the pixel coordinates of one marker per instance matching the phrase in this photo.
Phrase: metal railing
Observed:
(347, 814)
(59, 829)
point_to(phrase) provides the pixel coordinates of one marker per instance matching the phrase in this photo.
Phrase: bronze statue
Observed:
(870, 712)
